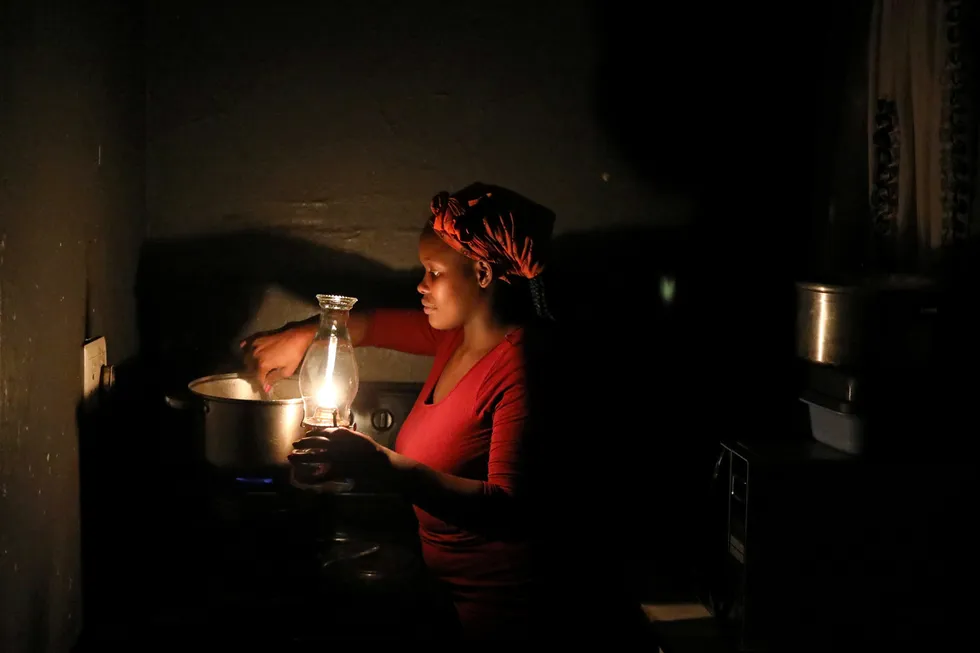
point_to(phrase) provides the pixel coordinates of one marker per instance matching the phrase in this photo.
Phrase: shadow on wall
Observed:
(196, 294)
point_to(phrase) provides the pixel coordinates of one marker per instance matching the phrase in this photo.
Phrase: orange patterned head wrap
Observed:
(495, 225)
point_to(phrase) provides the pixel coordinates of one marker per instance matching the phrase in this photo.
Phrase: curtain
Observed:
(922, 134)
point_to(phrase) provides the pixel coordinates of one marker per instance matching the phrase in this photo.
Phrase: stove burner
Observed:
(246, 480)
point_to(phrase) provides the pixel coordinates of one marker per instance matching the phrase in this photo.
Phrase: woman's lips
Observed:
(427, 308)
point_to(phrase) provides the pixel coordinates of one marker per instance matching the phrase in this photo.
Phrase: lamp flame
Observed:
(326, 395)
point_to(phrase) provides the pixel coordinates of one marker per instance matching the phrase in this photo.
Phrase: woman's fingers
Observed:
(309, 456)
(311, 442)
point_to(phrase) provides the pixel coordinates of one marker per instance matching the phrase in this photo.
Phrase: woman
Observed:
(465, 453)
(461, 456)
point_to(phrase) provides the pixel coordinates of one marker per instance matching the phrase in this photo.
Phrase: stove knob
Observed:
(382, 419)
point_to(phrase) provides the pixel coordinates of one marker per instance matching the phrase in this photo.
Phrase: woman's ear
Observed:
(484, 273)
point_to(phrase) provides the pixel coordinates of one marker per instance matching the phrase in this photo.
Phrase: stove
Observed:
(239, 559)
(273, 526)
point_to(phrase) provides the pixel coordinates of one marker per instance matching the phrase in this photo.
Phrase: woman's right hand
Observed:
(277, 354)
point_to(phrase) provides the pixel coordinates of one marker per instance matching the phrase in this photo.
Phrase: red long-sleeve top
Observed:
(476, 432)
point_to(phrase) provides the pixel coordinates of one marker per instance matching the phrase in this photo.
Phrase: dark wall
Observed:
(71, 221)
(330, 125)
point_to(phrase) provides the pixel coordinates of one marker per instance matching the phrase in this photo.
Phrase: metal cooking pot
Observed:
(885, 322)
(246, 429)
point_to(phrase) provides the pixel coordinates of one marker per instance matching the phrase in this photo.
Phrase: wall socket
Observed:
(94, 361)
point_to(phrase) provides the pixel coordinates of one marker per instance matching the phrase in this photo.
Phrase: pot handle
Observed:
(183, 404)
(176, 403)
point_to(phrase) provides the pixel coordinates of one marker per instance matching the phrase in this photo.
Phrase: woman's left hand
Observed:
(349, 454)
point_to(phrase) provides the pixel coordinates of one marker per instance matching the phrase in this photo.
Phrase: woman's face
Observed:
(453, 285)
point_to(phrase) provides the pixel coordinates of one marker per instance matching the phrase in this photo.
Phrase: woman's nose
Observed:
(423, 287)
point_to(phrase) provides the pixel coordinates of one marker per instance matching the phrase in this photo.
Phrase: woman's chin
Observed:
(438, 322)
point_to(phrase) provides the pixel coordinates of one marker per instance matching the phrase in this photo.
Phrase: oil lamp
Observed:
(328, 383)
(328, 380)
(328, 377)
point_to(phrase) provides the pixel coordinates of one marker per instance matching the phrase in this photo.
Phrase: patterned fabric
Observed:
(887, 154)
(922, 128)
(958, 130)
(492, 224)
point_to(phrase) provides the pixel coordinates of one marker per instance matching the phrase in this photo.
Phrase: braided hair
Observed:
(539, 299)
(522, 300)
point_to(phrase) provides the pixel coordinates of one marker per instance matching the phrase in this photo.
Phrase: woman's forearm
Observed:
(357, 326)
(464, 502)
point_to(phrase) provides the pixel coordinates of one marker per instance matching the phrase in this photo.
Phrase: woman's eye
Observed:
(435, 273)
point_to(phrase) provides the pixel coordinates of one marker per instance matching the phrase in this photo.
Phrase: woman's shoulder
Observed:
(529, 350)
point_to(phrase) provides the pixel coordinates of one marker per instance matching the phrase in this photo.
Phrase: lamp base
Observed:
(328, 418)
(312, 477)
